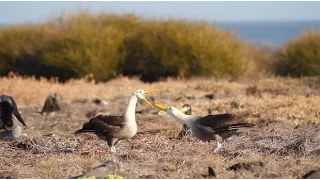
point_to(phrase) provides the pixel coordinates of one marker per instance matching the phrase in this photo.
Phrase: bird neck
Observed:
(186, 119)
(131, 108)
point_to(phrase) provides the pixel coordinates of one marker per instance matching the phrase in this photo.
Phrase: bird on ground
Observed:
(211, 127)
(115, 128)
(8, 107)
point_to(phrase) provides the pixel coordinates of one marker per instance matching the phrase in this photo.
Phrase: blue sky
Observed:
(24, 12)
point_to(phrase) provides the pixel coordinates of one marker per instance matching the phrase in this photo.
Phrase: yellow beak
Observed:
(161, 107)
(150, 91)
(147, 92)
(146, 101)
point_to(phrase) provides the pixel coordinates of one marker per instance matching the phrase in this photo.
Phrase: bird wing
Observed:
(105, 125)
(218, 120)
(224, 124)
(110, 120)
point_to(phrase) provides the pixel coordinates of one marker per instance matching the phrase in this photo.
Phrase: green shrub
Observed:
(300, 57)
(66, 47)
(73, 46)
(20, 47)
(180, 48)
(86, 45)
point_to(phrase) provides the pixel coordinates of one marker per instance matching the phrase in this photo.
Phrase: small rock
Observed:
(185, 98)
(313, 174)
(315, 152)
(169, 167)
(52, 103)
(99, 101)
(210, 174)
(149, 176)
(235, 104)
(271, 175)
(209, 96)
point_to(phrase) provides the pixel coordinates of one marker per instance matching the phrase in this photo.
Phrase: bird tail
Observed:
(83, 131)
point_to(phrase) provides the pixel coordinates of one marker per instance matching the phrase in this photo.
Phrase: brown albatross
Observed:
(211, 127)
(115, 128)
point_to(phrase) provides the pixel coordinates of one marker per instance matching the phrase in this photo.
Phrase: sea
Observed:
(274, 34)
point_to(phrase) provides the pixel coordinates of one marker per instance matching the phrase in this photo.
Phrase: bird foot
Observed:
(218, 148)
(112, 149)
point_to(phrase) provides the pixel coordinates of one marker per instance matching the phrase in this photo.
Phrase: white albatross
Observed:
(115, 128)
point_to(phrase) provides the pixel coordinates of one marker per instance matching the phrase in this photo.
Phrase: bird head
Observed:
(169, 109)
(140, 94)
(174, 112)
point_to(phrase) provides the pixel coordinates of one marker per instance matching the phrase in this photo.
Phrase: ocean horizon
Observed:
(272, 33)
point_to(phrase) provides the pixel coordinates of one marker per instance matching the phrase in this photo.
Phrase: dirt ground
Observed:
(285, 141)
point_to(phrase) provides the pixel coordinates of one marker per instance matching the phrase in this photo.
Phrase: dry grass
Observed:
(276, 105)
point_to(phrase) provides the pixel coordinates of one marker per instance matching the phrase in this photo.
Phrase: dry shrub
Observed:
(181, 49)
(107, 45)
(300, 56)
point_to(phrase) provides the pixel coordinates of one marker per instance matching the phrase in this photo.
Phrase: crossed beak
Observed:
(161, 107)
(148, 92)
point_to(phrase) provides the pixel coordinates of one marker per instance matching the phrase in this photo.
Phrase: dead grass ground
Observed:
(286, 139)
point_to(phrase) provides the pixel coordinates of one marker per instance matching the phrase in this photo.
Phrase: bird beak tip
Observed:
(151, 91)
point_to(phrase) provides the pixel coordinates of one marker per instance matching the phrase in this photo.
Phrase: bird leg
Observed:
(184, 132)
(111, 143)
(217, 148)
(112, 149)
(219, 140)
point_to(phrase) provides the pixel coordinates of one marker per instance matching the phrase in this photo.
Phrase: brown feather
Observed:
(218, 120)
(103, 125)
(224, 125)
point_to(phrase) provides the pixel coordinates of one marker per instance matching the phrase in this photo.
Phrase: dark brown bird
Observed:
(8, 107)
(211, 127)
(115, 128)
